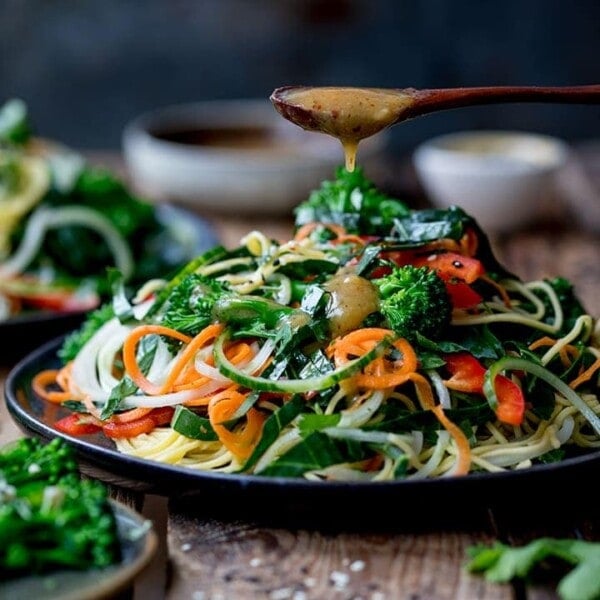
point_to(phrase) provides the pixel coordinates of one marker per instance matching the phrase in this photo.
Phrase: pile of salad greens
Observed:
(64, 222)
(51, 518)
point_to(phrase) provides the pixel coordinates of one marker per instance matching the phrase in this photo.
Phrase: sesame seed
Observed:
(357, 565)
(339, 579)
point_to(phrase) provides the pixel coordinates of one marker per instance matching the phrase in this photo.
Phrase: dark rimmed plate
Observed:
(411, 503)
(23, 333)
(138, 544)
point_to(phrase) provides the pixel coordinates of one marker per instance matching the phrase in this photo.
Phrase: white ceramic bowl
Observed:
(504, 179)
(579, 184)
(243, 158)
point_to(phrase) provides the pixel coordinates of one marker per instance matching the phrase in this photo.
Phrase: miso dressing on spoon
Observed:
(349, 114)
(353, 114)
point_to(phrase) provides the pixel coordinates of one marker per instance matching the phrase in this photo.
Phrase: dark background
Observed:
(86, 67)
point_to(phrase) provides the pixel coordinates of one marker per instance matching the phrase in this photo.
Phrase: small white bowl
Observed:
(579, 184)
(230, 156)
(504, 179)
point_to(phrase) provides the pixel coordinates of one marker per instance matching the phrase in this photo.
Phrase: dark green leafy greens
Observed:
(351, 200)
(501, 563)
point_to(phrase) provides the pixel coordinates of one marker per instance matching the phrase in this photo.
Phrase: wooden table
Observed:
(208, 558)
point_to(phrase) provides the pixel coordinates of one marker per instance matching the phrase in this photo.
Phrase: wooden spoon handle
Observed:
(440, 99)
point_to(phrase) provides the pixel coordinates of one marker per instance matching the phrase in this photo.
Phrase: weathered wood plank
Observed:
(217, 559)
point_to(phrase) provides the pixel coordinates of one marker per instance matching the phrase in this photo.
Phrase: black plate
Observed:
(408, 503)
(23, 333)
(138, 544)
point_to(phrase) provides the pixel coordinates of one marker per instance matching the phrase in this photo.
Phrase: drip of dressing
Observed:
(348, 114)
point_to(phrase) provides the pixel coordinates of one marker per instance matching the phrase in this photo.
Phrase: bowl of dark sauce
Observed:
(230, 155)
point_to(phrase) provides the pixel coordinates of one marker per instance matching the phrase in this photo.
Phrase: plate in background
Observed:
(25, 332)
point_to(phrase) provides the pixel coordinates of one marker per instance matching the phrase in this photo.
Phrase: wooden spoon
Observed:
(352, 114)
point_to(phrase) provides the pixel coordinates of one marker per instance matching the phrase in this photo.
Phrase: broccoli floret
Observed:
(189, 307)
(351, 200)
(414, 300)
(27, 460)
(49, 517)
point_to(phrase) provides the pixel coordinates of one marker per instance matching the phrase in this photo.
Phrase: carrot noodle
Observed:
(130, 415)
(443, 244)
(425, 395)
(129, 353)
(542, 342)
(382, 373)
(499, 288)
(240, 441)
(206, 335)
(586, 375)
(463, 461)
(91, 407)
(42, 381)
(567, 353)
(469, 243)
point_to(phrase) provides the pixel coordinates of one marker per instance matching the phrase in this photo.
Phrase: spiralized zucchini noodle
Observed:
(285, 359)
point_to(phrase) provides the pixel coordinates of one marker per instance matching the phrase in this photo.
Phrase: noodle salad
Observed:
(63, 221)
(378, 343)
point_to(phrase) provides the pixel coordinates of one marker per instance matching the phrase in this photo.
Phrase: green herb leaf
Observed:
(317, 451)
(501, 563)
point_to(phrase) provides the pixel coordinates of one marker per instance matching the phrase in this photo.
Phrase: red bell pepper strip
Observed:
(129, 429)
(511, 402)
(458, 272)
(467, 375)
(83, 424)
(33, 293)
(462, 295)
(78, 424)
(450, 265)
